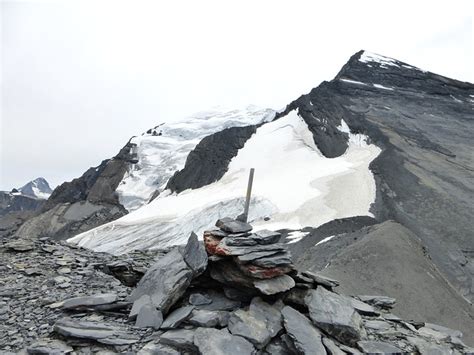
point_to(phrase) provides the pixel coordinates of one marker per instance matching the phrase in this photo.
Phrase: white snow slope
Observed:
(295, 185)
(164, 150)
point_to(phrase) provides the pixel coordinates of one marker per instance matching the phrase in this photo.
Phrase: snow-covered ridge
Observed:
(295, 185)
(163, 149)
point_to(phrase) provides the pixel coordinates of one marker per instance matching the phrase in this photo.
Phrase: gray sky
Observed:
(80, 78)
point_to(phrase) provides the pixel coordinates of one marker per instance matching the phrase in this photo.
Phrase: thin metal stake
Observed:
(249, 194)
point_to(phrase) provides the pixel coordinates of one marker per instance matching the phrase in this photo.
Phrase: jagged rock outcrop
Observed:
(80, 309)
(83, 203)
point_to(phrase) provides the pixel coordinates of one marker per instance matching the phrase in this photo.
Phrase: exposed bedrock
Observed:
(209, 161)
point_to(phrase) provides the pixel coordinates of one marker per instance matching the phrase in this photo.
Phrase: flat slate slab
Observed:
(378, 301)
(149, 317)
(321, 280)
(182, 339)
(379, 347)
(89, 301)
(165, 282)
(231, 225)
(335, 315)
(94, 331)
(195, 255)
(259, 324)
(275, 285)
(306, 337)
(176, 317)
(219, 342)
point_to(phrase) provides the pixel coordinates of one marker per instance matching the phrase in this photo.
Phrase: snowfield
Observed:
(295, 185)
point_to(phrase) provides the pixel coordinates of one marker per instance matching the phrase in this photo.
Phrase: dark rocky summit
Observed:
(58, 299)
(424, 124)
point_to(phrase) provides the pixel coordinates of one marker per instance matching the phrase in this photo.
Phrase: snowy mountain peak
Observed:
(37, 188)
(163, 149)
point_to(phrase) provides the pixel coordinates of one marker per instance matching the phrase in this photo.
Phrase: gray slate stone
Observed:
(306, 338)
(245, 258)
(165, 282)
(182, 339)
(277, 347)
(89, 301)
(195, 255)
(379, 347)
(198, 299)
(362, 307)
(232, 226)
(138, 304)
(378, 301)
(93, 330)
(205, 318)
(175, 318)
(49, 347)
(149, 317)
(243, 250)
(331, 347)
(276, 260)
(335, 315)
(157, 349)
(259, 324)
(444, 330)
(219, 342)
(321, 280)
(275, 285)
(263, 237)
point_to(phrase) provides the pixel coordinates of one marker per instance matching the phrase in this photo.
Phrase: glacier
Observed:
(295, 186)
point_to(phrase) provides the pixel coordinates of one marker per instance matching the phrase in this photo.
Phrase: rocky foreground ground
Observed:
(236, 293)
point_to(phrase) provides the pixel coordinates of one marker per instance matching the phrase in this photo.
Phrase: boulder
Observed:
(165, 282)
(195, 255)
(218, 342)
(335, 315)
(230, 225)
(175, 318)
(306, 337)
(89, 301)
(275, 285)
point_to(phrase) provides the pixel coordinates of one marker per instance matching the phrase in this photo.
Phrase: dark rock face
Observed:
(17, 203)
(209, 161)
(195, 255)
(424, 124)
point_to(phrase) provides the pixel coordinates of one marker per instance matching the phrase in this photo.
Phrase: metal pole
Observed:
(249, 194)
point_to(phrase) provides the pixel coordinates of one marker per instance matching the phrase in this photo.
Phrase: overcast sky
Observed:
(80, 78)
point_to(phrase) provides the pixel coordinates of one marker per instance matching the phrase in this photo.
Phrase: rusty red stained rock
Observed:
(264, 273)
(211, 242)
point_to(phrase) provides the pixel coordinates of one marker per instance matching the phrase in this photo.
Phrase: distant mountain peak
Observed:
(37, 188)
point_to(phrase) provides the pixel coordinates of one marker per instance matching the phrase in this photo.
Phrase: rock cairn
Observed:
(236, 293)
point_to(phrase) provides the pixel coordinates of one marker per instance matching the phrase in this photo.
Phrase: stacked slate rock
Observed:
(248, 261)
(237, 293)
